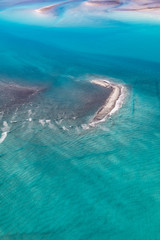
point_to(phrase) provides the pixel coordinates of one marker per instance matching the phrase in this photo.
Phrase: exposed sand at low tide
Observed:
(51, 7)
(108, 107)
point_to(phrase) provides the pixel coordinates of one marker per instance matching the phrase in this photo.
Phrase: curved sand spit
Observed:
(52, 6)
(113, 102)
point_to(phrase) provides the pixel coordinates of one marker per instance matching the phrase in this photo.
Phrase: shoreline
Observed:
(51, 7)
(112, 104)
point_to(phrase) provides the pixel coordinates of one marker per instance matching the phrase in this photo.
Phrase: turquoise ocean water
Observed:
(59, 179)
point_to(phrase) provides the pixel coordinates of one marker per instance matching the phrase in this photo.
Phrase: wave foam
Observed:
(5, 129)
(119, 101)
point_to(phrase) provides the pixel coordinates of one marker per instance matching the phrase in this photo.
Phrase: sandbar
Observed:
(51, 7)
(116, 96)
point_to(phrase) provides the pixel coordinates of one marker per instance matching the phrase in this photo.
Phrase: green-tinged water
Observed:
(59, 178)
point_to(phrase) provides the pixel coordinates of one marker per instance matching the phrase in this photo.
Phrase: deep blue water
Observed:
(59, 180)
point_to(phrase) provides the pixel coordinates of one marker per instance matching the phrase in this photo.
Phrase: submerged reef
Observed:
(12, 94)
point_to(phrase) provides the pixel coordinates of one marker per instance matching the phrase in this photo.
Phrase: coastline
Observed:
(112, 104)
(51, 7)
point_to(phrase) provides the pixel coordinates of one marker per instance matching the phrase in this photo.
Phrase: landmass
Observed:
(108, 5)
(112, 103)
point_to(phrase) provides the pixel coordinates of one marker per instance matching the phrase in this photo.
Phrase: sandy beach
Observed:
(51, 7)
(109, 106)
(44, 9)
(132, 10)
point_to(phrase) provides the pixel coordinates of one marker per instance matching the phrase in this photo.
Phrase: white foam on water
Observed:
(64, 128)
(5, 129)
(104, 128)
(1, 115)
(42, 121)
(29, 112)
(14, 116)
(3, 136)
(85, 126)
(5, 126)
(50, 125)
(59, 122)
(119, 101)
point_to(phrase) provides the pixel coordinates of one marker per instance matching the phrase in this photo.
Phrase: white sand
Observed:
(112, 103)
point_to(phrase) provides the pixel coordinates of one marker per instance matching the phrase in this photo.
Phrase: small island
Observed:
(112, 103)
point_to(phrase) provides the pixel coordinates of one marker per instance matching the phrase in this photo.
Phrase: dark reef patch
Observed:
(13, 95)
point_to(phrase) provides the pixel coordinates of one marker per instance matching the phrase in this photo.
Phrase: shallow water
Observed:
(60, 179)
